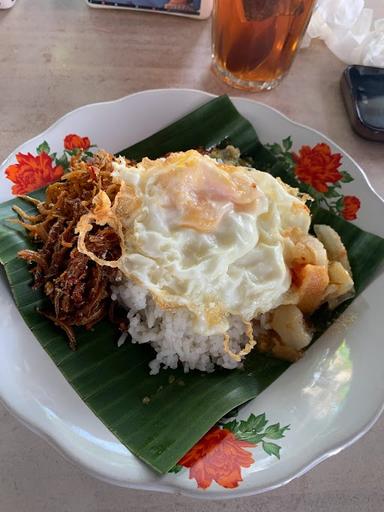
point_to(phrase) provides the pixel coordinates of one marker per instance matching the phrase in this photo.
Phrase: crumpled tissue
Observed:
(348, 29)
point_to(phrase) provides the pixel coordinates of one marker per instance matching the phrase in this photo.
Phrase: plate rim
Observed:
(200, 91)
(164, 486)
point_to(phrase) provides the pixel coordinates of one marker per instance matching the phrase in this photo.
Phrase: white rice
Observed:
(171, 335)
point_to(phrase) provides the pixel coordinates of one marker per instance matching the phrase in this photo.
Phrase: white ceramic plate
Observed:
(329, 398)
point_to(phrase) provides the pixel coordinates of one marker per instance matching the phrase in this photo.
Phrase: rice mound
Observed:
(171, 335)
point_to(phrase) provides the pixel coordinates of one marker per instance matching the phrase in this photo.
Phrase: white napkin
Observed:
(347, 29)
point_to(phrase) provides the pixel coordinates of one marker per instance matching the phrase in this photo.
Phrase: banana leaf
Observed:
(222, 125)
(159, 418)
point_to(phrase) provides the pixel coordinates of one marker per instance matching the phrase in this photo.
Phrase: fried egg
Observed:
(206, 236)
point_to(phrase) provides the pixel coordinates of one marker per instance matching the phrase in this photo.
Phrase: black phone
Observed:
(363, 92)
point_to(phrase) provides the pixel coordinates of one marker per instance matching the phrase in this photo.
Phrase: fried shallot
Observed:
(78, 288)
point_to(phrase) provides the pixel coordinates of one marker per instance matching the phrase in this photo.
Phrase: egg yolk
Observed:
(203, 194)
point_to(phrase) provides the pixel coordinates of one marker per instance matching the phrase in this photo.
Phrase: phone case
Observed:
(196, 9)
(352, 95)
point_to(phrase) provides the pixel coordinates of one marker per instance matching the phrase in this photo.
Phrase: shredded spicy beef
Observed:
(78, 288)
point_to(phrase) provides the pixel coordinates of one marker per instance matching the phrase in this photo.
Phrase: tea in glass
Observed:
(254, 42)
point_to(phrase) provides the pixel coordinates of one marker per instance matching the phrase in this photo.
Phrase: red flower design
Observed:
(351, 205)
(32, 172)
(218, 456)
(73, 141)
(317, 166)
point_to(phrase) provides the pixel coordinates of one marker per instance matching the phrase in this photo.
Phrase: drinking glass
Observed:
(254, 42)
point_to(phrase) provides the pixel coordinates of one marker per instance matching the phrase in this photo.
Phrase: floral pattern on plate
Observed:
(316, 169)
(31, 172)
(224, 451)
(319, 172)
(221, 454)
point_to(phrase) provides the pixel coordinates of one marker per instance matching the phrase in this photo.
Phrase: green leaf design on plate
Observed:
(275, 431)
(347, 178)
(254, 429)
(331, 192)
(43, 148)
(276, 149)
(113, 382)
(256, 423)
(287, 143)
(271, 449)
(63, 161)
(339, 203)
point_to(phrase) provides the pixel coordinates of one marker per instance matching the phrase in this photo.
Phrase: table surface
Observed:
(57, 55)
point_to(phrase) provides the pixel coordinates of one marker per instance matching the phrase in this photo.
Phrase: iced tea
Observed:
(254, 41)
